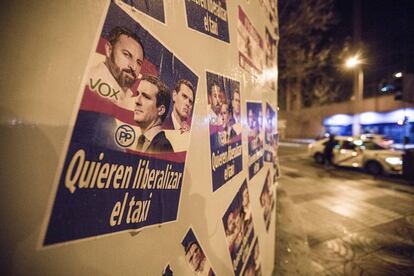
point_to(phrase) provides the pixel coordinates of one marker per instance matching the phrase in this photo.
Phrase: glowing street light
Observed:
(398, 75)
(352, 62)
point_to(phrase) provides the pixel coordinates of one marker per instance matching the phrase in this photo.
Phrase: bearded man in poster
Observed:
(114, 77)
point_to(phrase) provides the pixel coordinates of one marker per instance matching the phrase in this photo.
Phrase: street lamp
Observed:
(352, 62)
(398, 75)
(355, 64)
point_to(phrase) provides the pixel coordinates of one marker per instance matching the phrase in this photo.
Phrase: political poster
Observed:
(250, 45)
(124, 164)
(195, 256)
(267, 200)
(270, 122)
(152, 8)
(253, 265)
(238, 228)
(208, 17)
(255, 137)
(225, 128)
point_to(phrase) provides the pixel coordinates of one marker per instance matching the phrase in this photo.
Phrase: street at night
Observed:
(337, 221)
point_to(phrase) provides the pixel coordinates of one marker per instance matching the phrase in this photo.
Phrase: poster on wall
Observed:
(267, 200)
(250, 45)
(195, 256)
(152, 8)
(238, 228)
(124, 164)
(270, 122)
(255, 137)
(253, 266)
(208, 17)
(225, 128)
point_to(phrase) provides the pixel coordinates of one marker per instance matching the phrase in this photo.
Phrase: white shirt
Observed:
(176, 123)
(213, 117)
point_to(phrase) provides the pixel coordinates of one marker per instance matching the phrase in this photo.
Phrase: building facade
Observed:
(381, 115)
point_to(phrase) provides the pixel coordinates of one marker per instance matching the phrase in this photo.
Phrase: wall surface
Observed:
(48, 50)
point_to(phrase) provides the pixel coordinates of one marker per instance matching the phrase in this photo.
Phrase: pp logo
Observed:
(125, 136)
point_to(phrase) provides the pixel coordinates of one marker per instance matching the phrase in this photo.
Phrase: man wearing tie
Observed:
(151, 109)
(183, 101)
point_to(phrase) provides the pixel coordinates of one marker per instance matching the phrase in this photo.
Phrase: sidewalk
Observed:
(292, 248)
(297, 142)
(343, 230)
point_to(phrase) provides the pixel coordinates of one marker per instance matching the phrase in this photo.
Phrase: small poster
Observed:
(238, 227)
(225, 128)
(253, 266)
(208, 17)
(152, 8)
(267, 200)
(195, 255)
(124, 165)
(250, 45)
(270, 122)
(255, 137)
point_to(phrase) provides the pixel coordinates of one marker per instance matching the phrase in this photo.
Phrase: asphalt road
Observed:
(336, 221)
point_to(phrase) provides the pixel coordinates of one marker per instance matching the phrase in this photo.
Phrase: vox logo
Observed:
(103, 88)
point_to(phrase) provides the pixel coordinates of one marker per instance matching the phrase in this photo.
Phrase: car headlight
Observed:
(394, 160)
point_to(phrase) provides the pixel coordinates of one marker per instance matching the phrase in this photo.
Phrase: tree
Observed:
(306, 53)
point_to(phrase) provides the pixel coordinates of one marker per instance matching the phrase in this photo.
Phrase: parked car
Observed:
(362, 153)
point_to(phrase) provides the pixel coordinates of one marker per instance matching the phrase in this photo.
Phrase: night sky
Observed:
(387, 33)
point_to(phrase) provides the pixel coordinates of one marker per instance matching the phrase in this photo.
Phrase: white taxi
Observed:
(358, 152)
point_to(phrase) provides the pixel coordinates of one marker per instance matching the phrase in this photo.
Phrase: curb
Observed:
(297, 141)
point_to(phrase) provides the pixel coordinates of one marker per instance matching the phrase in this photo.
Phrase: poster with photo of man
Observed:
(238, 228)
(250, 45)
(255, 137)
(225, 128)
(195, 256)
(123, 169)
(267, 200)
(269, 131)
(253, 265)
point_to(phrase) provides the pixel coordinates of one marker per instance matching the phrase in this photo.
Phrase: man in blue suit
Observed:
(151, 109)
(183, 101)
